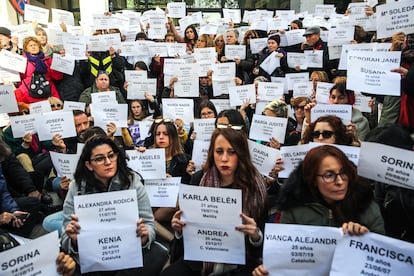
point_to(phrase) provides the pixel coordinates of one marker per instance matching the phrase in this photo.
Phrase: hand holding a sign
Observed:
(249, 227)
(142, 232)
(353, 228)
(57, 141)
(308, 109)
(72, 229)
(176, 223)
(65, 264)
(260, 271)
(110, 129)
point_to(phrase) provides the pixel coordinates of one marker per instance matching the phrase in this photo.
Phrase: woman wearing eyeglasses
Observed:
(228, 166)
(102, 168)
(325, 190)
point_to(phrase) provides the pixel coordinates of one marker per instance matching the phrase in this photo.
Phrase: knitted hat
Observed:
(275, 38)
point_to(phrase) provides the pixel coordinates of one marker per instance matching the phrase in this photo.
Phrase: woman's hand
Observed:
(176, 223)
(72, 228)
(157, 58)
(149, 97)
(274, 143)
(193, 136)
(142, 231)
(249, 228)
(353, 228)
(27, 138)
(65, 264)
(307, 111)
(140, 149)
(57, 141)
(190, 167)
(125, 86)
(64, 183)
(12, 218)
(110, 129)
(278, 167)
(260, 271)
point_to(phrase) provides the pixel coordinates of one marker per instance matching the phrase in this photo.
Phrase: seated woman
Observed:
(101, 84)
(102, 168)
(325, 190)
(228, 165)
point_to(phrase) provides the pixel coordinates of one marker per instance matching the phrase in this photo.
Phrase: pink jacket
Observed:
(26, 77)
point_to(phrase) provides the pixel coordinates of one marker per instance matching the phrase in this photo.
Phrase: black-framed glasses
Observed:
(326, 134)
(235, 127)
(330, 177)
(56, 105)
(101, 159)
(159, 121)
(301, 107)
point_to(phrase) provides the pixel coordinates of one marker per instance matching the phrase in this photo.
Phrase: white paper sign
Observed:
(211, 215)
(292, 156)
(374, 254)
(63, 64)
(291, 249)
(52, 123)
(103, 97)
(36, 257)
(176, 9)
(12, 61)
(370, 72)
(72, 105)
(270, 63)
(258, 44)
(108, 238)
(178, 108)
(9, 76)
(238, 94)
(235, 52)
(297, 59)
(199, 154)
(269, 91)
(387, 164)
(265, 127)
(204, 128)
(394, 17)
(163, 192)
(34, 13)
(340, 36)
(150, 163)
(8, 103)
(65, 164)
(40, 107)
(110, 113)
(23, 124)
(59, 16)
(343, 111)
(263, 157)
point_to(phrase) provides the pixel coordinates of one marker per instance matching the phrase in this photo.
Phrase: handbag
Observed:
(7, 241)
(39, 86)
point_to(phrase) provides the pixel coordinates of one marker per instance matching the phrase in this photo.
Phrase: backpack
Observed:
(39, 86)
(7, 241)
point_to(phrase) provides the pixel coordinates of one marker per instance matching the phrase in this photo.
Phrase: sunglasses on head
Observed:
(235, 127)
(325, 134)
(159, 121)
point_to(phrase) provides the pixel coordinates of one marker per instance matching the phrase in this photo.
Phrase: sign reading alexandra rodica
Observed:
(387, 164)
(211, 215)
(370, 72)
(395, 17)
(36, 257)
(372, 254)
(291, 249)
(108, 238)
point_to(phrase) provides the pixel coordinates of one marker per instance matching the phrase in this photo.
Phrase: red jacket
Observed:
(26, 77)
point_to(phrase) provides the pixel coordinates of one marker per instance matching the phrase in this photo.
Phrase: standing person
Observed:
(102, 168)
(38, 63)
(229, 166)
(325, 190)
(272, 48)
(190, 35)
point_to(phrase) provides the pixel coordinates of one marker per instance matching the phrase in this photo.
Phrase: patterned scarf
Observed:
(38, 62)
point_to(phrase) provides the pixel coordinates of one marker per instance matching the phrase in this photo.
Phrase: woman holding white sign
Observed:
(102, 168)
(228, 165)
(325, 190)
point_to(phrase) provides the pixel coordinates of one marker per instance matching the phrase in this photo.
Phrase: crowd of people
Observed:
(324, 190)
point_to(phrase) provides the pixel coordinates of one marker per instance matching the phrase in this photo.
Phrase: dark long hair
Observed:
(82, 173)
(246, 175)
(175, 147)
(207, 104)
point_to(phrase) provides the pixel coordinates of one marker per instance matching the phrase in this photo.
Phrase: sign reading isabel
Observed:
(372, 254)
(387, 164)
(370, 72)
(211, 215)
(37, 257)
(291, 249)
(108, 239)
